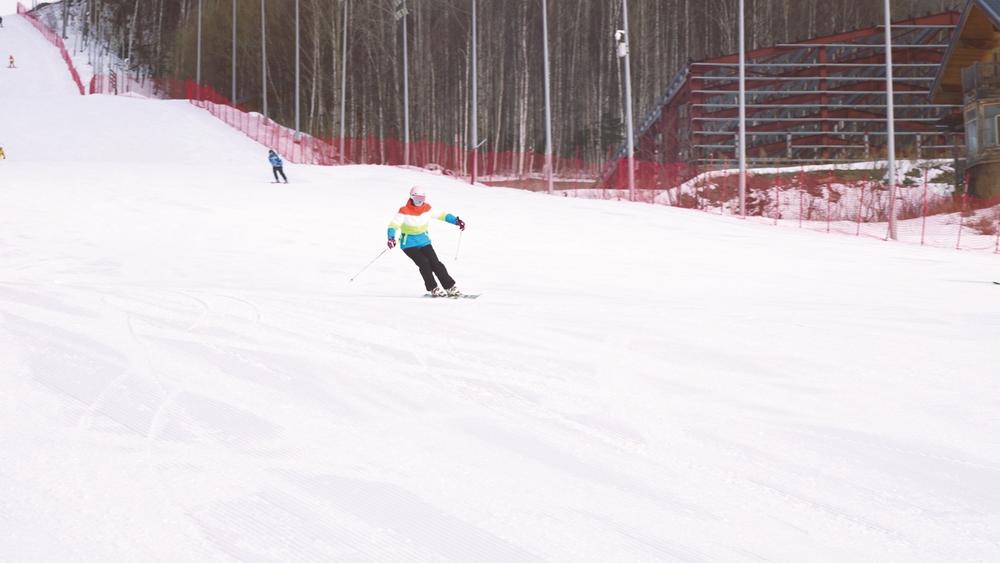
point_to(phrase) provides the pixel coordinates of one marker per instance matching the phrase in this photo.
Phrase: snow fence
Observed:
(56, 40)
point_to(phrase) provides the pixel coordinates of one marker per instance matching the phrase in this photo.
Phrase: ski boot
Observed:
(438, 292)
(453, 292)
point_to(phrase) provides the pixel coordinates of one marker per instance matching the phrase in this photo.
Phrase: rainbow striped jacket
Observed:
(412, 221)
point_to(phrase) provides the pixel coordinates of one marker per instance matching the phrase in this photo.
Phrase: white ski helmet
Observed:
(417, 194)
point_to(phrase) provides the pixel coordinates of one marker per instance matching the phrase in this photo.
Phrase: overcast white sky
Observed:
(10, 6)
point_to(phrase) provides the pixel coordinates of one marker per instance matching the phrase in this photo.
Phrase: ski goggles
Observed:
(417, 199)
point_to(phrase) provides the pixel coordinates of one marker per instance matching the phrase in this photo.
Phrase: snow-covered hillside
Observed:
(186, 373)
(8, 7)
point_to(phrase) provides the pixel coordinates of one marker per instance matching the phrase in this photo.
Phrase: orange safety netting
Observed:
(55, 39)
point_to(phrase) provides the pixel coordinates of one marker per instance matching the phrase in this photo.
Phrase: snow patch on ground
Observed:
(186, 373)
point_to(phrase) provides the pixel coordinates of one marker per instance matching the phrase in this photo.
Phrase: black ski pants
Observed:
(427, 260)
(281, 170)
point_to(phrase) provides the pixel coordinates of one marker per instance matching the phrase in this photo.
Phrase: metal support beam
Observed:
(548, 99)
(742, 137)
(890, 119)
(343, 86)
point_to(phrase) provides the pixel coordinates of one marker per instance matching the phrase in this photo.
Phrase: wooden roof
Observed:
(975, 38)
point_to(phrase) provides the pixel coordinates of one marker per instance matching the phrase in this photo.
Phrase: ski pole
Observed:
(369, 264)
(459, 247)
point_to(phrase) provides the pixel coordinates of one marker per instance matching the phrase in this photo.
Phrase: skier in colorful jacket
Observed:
(411, 222)
(277, 166)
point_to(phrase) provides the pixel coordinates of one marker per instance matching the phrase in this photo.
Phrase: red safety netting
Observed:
(852, 199)
(55, 39)
(125, 84)
(521, 168)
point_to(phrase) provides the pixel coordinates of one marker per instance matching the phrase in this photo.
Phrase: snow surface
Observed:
(8, 7)
(186, 374)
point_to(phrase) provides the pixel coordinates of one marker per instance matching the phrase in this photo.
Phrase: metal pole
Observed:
(890, 120)
(406, 94)
(298, 101)
(548, 99)
(368, 265)
(630, 136)
(263, 55)
(197, 74)
(743, 114)
(475, 105)
(343, 86)
(233, 97)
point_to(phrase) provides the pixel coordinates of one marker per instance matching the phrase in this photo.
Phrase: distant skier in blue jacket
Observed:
(277, 166)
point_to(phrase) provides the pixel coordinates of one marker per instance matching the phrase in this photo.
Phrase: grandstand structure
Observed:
(816, 101)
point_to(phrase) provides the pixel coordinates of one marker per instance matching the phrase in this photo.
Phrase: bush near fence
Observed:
(852, 199)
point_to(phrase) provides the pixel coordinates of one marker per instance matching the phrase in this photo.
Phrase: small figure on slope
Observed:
(412, 221)
(277, 166)
(10, 63)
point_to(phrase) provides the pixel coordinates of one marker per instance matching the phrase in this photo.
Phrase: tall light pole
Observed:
(298, 101)
(743, 113)
(343, 86)
(890, 121)
(401, 13)
(197, 73)
(623, 53)
(548, 98)
(263, 54)
(475, 104)
(233, 97)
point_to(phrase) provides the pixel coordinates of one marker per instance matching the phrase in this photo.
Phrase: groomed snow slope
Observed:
(186, 373)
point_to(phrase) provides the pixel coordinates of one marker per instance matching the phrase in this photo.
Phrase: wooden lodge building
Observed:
(970, 76)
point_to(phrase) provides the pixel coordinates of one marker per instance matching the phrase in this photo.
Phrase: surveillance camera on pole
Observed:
(621, 36)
